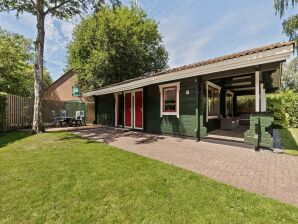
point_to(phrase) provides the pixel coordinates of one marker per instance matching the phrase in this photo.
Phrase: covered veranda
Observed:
(233, 98)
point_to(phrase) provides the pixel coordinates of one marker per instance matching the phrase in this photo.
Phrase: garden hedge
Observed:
(284, 106)
(3, 104)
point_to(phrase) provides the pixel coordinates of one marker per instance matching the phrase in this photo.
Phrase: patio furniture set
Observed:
(64, 120)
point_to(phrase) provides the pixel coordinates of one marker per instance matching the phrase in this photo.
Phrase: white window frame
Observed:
(207, 103)
(161, 87)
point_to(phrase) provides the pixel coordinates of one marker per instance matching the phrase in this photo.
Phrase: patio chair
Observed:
(62, 113)
(80, 117)
(55, 119)
(61, 118)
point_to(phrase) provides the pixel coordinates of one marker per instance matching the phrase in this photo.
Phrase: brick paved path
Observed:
(270, 174)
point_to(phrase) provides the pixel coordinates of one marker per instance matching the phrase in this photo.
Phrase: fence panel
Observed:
(19, 112)
(52, 109)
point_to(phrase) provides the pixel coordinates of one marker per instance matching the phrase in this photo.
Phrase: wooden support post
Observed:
(263, 99)
(257, 91)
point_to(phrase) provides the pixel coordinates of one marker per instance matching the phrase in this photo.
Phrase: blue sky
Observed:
(192, 30)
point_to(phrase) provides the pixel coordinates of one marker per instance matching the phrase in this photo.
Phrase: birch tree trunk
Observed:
(37, 125)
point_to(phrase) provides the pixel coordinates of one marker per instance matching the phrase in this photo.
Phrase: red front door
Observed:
(128, 110)
(139, 109)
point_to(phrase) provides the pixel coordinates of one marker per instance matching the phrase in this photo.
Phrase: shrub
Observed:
(284, 106)
(3, 103)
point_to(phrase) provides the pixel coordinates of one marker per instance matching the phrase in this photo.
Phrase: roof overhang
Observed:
(273, 55)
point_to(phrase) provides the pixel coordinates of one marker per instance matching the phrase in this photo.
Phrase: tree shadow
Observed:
(108, 135)
(11, 137)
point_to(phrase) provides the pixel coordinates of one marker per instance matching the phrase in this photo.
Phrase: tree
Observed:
(290, 75)
(16, 59)
(61, 9)
(290, 25)
(114, 45)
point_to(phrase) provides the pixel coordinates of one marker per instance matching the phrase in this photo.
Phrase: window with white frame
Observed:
(213, 100)
(169, 99)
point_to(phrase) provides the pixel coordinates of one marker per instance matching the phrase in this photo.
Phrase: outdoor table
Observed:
(67, 120)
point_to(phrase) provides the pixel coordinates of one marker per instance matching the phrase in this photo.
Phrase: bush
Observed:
(284, 106)
(3, 104)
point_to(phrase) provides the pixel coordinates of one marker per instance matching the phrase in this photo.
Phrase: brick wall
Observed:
(61, 90)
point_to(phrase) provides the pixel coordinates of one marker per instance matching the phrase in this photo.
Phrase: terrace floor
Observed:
(236, 135)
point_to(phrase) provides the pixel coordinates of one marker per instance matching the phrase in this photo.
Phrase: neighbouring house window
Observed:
(169, 99)
(76, 91)
(213, 100)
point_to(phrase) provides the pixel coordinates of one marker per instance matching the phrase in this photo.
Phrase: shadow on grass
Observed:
(11, 137)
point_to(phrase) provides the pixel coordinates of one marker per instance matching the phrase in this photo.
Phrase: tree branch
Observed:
(56, 7)
(33, 3)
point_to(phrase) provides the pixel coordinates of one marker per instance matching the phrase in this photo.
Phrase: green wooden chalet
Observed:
(197, 99)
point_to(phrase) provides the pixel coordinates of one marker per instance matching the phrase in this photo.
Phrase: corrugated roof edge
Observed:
(206, 62)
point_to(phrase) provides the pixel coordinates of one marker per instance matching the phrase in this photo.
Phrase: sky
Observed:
(192, 30)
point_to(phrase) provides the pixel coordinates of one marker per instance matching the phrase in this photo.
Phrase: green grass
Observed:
(60, 178)
(289, 139)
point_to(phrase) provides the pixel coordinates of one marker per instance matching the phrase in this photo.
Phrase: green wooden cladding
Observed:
(186, 124)
(104, 110)
(257, 135)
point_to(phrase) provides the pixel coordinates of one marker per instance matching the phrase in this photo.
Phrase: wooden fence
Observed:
(20, 111)
(52, 108)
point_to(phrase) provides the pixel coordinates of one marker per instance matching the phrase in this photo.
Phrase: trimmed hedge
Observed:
(284, 106)
(3, 105)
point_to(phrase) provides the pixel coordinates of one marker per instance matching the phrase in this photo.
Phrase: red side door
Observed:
(128, 111)
(139, 109)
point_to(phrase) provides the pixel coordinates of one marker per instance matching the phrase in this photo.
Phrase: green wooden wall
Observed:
(186, 125)
(104, 110)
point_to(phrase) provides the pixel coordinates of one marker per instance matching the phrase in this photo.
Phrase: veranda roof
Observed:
(256, 56)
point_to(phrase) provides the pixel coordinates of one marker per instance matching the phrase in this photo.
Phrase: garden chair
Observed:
(80, 117)
(55, 119)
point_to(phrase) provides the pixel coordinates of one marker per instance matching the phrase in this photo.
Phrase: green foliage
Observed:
(16, 65)
(3, 105)
(246, 104)
(115, 45)
(290, 25)
(290, 75)
(284, 106)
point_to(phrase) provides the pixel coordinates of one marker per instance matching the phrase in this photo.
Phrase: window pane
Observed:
(213, 101)
(169, 99)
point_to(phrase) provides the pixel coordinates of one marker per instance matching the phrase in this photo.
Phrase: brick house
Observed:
(65, 94)
(64, 89)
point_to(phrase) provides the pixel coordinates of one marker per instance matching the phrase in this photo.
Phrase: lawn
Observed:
(60, 178)
(289, 139)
